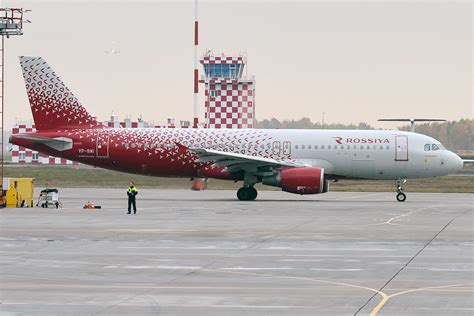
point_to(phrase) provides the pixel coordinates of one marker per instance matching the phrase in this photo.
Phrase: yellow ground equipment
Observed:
(20, 192)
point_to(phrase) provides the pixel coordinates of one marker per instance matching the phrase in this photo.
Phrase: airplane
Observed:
(297, 161)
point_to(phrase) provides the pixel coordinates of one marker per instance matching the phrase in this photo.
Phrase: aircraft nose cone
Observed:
(456, 162)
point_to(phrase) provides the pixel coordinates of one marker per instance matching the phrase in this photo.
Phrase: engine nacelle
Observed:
(309, 180)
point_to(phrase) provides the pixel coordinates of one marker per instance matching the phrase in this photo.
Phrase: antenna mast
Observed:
(196, 71)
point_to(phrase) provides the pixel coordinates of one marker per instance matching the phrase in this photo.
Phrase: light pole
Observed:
(11, 24)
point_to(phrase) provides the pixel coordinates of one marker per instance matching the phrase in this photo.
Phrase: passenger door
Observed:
(102, 145)
(401, 148)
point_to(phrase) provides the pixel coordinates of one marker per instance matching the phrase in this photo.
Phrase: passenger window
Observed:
(296, 146)
(329, 146)
(427, 147)
(381, 147)
(302, 147)
(322, 146)
(361, 147)
(309, 146)
(434, 147)
(315, 146)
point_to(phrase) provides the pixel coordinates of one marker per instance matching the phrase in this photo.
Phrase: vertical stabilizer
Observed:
(53, 105)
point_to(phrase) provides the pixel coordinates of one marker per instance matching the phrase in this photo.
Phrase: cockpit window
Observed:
(434, 147)
(427, 147)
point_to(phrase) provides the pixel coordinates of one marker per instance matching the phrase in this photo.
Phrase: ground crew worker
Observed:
(132, 192)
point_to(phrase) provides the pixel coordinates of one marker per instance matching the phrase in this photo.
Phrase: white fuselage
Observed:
(369, 154)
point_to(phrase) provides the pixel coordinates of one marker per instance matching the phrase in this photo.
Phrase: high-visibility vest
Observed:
(132, 190)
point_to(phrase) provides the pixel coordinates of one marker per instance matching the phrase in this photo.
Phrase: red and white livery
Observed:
(298, 161)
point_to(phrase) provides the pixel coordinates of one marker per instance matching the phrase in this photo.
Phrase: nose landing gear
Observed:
(401, 197)
(247, 193)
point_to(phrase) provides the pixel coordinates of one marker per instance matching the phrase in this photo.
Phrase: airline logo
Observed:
(350, 140)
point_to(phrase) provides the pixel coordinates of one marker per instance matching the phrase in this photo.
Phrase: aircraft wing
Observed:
(236, 162)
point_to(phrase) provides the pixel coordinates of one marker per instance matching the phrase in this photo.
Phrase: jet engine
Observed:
(308, 180)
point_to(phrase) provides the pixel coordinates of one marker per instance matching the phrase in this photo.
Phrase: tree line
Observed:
(455, 135)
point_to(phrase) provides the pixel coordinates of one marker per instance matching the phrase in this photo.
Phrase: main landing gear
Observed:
(247, 193)
(401, 197)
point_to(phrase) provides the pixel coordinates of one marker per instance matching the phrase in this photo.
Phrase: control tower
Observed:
(229, 94)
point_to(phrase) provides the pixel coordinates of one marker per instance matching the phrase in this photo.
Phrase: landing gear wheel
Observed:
(253, 193)
(401, 197)
(247, 194)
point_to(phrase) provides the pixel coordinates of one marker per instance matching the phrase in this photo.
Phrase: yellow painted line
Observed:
(386, 298)
(430, 288)
(408, 214)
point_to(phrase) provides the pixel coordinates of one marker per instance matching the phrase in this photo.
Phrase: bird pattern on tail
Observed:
(53, 105)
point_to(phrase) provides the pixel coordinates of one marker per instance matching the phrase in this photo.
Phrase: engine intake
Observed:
(309, 180)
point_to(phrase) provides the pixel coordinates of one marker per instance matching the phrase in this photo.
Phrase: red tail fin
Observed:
(52, 104)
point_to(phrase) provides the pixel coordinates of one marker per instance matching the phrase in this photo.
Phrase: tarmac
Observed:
(206, 253)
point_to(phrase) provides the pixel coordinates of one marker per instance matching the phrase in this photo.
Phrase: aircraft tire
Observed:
(401, 197)
(253, 193)
(247, 194)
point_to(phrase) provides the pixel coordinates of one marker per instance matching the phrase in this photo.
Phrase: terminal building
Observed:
(229, 94)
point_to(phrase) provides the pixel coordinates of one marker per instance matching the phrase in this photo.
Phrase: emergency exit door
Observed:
(102, 144)
(401, 148)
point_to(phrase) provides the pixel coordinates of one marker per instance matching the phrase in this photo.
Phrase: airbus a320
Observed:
(297, 161)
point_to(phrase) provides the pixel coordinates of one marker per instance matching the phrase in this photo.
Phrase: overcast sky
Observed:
(354, 60)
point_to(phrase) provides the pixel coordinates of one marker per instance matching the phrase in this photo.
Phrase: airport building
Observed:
(229, 94)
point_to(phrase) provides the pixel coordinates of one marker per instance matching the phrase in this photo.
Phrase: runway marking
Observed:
(336, 270)
(161, 267)
(299, 278)
(232, 255)
(389, 221)
(149, 230)
(252, 269)
(184, 248)
(384, 301)
(327, 249)
(319, 260)
(386, 298)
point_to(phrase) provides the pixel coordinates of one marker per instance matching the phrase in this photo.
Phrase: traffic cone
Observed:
(198, 185)
(88, 204)
(92, 205)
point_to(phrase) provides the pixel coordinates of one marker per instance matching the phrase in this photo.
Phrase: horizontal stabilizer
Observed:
(57, 143)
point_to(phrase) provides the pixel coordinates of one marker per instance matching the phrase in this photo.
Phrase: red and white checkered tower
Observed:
(229, 95)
